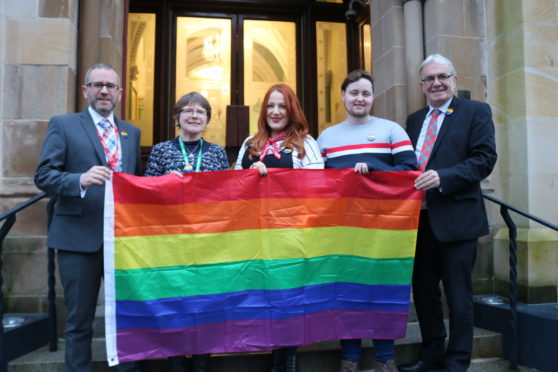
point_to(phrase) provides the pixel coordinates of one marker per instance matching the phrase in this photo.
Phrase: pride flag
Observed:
(231, 261)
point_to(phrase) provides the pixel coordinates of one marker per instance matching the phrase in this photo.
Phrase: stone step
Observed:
(319, 357)
(23, 333)
(495, 365)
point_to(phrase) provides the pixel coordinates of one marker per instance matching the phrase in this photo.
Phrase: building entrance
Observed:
(205, 52)
(232, 58)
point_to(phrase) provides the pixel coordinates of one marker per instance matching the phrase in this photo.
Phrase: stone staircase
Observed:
(319, 357)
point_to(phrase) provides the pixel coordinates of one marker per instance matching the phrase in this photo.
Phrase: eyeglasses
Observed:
(191, 112)
(442, 78)
(97, 85)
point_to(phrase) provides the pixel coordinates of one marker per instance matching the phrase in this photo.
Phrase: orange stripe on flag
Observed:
(216, 217)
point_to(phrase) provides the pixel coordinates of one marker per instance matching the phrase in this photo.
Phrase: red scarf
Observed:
(271, 146)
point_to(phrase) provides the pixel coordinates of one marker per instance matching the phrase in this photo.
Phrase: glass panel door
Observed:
(367, 47)
(331, 49)
(269, 58)
(203, 64)
(140, 72)
(232, 55)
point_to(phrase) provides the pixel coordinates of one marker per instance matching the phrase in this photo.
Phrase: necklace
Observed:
(193, 150)
(187, 166)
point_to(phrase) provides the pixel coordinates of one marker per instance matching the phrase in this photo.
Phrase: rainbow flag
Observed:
(231, 261)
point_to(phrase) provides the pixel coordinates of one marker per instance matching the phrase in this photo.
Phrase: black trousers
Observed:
(80, 274)
(450, 263)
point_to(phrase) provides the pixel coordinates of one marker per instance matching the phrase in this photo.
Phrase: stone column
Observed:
(101, 38)
(456, 30)
(414, 53)
(39, 74)
(38, 43)
(389, 60)
(2, 61)
(88, 46)
(523, 81)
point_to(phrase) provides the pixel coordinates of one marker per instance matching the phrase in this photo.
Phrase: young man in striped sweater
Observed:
(365, 143)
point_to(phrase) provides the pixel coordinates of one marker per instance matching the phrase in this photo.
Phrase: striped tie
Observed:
(429, 139)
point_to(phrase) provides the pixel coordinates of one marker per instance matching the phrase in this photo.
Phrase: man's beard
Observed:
(102, 110)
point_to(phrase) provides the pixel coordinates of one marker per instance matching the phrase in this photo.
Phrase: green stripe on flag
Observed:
(182, 281)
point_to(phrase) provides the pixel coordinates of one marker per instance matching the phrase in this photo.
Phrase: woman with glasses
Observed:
(187, 153)
(282, 141)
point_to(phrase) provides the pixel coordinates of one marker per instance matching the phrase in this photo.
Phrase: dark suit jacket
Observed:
(72, 146)
(464, 153)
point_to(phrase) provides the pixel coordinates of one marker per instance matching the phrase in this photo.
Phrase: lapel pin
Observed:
(371, 137)
(449, 111)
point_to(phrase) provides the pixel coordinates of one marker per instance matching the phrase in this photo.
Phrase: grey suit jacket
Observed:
(72, 146)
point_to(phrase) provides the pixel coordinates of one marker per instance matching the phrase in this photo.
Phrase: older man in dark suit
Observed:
(455, 147)
(79, 154)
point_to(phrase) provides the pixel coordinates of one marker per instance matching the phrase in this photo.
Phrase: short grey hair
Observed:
(101, 66)
(437, 58)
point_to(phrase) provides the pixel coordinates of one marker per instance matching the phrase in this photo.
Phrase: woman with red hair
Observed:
(282, 141)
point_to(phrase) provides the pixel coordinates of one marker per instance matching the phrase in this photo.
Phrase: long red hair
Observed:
(296, 129)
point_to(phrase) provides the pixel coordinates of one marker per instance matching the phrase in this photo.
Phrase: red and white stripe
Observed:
(368, 148)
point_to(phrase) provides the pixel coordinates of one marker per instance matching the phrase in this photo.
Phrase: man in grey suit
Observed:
(79, 154)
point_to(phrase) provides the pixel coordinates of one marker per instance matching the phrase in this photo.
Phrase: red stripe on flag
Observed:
(279, 183)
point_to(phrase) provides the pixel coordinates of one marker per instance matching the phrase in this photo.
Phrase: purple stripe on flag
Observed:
(255, 334)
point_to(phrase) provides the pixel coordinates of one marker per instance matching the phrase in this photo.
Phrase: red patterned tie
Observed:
(110, 144)
(429, 139)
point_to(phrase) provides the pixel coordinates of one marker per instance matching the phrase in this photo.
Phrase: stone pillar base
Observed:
(537, 260)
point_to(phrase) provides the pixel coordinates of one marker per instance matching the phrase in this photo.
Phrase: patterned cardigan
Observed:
(167, 156)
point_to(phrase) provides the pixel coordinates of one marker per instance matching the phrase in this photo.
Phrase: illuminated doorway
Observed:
(203, 64)
(232, 58)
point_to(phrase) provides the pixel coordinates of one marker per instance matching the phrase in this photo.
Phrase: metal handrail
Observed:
(505, 209)
(10, 219)
(22, 206)
(521, 212)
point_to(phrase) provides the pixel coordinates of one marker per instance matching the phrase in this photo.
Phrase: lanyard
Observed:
(187, 166)
(111, 160)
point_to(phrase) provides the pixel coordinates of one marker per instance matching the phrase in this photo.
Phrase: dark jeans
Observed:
(383, 350)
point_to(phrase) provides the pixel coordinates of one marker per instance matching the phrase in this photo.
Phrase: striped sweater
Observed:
(382, 144)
